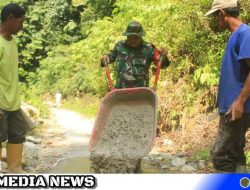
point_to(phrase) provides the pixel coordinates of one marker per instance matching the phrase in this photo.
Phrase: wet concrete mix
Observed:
(126, 138)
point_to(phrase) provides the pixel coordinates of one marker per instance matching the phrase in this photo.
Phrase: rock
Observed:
(166, 156)
(178, 161)
(29, 146)
(30, 110)
(154, 151)
(188, 168)
(4, 166)
(165, 166)
(201, 164)
(174, 170)
(30, 154)
(33, 140)
(146, 166)
(167, 142)
(159, 158)
(210, 164)
(181, 154)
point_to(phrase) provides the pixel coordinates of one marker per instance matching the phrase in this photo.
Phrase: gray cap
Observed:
(222, 4)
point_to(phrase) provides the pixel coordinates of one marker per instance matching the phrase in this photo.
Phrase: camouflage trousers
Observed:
(228, 149)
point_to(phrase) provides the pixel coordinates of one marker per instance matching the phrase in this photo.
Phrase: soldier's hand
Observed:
(164, 51)
(105, 60)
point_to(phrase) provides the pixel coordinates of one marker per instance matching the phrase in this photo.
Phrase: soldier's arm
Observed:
(113, 54)
(165, 60)
(109, 58)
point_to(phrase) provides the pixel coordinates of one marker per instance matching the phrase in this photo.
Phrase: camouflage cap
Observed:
(134, 28)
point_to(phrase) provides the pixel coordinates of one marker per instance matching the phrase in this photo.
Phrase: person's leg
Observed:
(14, 157)
(229, 144)
(0, 157)
(241, 158)
(18, 127)
(3, 132)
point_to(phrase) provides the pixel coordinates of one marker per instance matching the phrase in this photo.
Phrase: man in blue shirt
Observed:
(234, 89)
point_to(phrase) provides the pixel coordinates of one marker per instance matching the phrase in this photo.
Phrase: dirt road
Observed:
(64, 144)
(64, 149)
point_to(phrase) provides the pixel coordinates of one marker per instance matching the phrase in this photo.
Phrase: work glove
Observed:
(105, 60)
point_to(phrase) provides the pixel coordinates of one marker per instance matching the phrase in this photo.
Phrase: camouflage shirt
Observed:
(132, 64)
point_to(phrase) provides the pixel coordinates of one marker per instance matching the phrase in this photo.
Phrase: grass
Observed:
(248, 157)
(202, 154)
(87, 105)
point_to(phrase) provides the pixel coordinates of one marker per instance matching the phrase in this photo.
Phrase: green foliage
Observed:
(180, 34)
(5, 2)
(102, 7)
(32, 97)
(48, 24)
(94, 10)
(245, 5)
(179, 26)
(87, 105)
(247, 157)
(67, 70)
(202, 154)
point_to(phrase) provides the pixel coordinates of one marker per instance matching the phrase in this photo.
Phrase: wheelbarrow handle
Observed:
(111, 86)
(157, 73)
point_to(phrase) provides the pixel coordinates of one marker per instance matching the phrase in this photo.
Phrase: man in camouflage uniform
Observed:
(133, 58)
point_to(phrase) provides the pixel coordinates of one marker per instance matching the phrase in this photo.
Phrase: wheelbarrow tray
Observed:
(129, 97)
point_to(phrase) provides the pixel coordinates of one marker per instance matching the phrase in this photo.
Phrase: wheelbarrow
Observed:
(137, 111)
